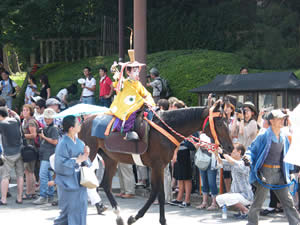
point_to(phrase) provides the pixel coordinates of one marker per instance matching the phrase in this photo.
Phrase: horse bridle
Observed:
(210, 121)
(210, 118)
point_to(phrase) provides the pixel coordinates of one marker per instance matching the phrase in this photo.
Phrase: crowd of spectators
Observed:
(40, 129)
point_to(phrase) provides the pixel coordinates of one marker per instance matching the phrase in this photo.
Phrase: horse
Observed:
(159, 153)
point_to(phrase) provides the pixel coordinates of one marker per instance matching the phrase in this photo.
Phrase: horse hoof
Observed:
(120, 221)
(131, 220)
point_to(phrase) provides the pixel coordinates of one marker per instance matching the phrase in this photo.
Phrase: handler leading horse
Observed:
(160, 150)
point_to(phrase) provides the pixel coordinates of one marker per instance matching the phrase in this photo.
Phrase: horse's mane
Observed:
(179, 117)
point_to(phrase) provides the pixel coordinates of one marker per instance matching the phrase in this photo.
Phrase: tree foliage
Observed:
(24, 21)
(266, 32)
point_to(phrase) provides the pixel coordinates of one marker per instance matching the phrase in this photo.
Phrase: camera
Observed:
(40, 130)
(148, 76)
(213, 95)
(239, 107)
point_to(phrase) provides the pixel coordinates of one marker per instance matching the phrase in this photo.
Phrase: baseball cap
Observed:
(154, 71)
(52, 101)
(276, 113)
(36, 98)
(49, 113)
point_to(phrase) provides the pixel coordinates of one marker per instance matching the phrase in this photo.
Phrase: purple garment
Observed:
(128, 123)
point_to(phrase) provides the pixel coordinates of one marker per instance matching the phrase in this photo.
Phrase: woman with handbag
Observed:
(30, 129)
(69, 154)
(208, 178)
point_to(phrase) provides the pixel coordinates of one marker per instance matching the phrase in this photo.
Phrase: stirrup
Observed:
(131, 136)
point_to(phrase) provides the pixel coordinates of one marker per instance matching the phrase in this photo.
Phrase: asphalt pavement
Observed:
(29, 214)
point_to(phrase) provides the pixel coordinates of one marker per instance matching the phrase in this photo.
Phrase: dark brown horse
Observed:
(160, 152)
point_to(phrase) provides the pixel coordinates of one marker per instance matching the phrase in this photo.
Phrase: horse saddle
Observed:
(115, 141)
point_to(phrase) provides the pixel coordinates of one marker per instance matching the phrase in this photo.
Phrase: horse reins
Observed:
(210, 117)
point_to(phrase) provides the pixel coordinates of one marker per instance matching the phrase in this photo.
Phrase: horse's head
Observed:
(216, 127)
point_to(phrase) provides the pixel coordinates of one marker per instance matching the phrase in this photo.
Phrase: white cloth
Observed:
(293, 154)
(88, 83)
(61, 95)
(29, 93)
(93, 196)
(168, 184)
(229, 199)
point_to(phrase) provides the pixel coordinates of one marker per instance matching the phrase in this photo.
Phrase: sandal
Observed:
(1, 203)
(202, 206)
(212, 208)
(27, 197)
(21, 202)
(119, 195)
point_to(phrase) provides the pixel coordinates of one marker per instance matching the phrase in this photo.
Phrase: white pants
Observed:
(229, 199)
(126, 178)
(167, 184)
(93, 196)
(142, 172)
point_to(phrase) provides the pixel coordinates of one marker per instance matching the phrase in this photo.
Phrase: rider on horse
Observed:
(131, 96)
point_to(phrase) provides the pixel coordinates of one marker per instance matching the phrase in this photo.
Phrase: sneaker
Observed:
(140, 185)
(237, 215)
(175, 202)
(184, 205)
(101, 207)
(266, 212)
(40, 201)
(242, 216)
(51, 199)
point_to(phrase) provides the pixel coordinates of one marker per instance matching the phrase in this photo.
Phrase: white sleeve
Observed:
(14, 84)
(93, 81)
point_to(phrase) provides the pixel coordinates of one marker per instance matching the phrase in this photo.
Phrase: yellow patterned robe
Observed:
(130, 99)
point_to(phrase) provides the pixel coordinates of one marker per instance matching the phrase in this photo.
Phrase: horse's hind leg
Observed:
(156, 188)
(106, 183)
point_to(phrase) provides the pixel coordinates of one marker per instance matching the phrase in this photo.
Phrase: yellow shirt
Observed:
(130, 99)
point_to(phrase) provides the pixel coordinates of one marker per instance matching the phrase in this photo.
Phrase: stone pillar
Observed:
(140, 34)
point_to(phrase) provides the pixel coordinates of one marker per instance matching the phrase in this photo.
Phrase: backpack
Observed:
(166, 90)
(13, 88)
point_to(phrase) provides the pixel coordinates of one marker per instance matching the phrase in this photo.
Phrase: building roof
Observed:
(251, 82)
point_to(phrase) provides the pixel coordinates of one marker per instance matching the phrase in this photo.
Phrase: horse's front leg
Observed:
(157, 188)
(111, 167)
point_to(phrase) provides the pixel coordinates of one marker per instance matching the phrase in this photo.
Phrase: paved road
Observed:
(29, 214)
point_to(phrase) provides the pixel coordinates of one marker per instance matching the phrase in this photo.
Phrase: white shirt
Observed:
(29, 92)
(61, 94)
(88, 83)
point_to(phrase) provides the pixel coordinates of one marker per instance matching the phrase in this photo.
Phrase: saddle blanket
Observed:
(99, 125)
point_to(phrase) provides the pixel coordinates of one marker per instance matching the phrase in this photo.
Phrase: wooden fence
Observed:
(70, 49)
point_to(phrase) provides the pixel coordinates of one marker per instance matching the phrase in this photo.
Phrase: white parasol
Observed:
(293, 155)
(81, 109)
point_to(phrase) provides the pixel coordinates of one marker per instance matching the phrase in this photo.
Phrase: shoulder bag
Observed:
(202, 160)
(88, 177)
(28, 152)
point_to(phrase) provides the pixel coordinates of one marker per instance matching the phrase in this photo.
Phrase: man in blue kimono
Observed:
(266, 155)
(72, 197)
